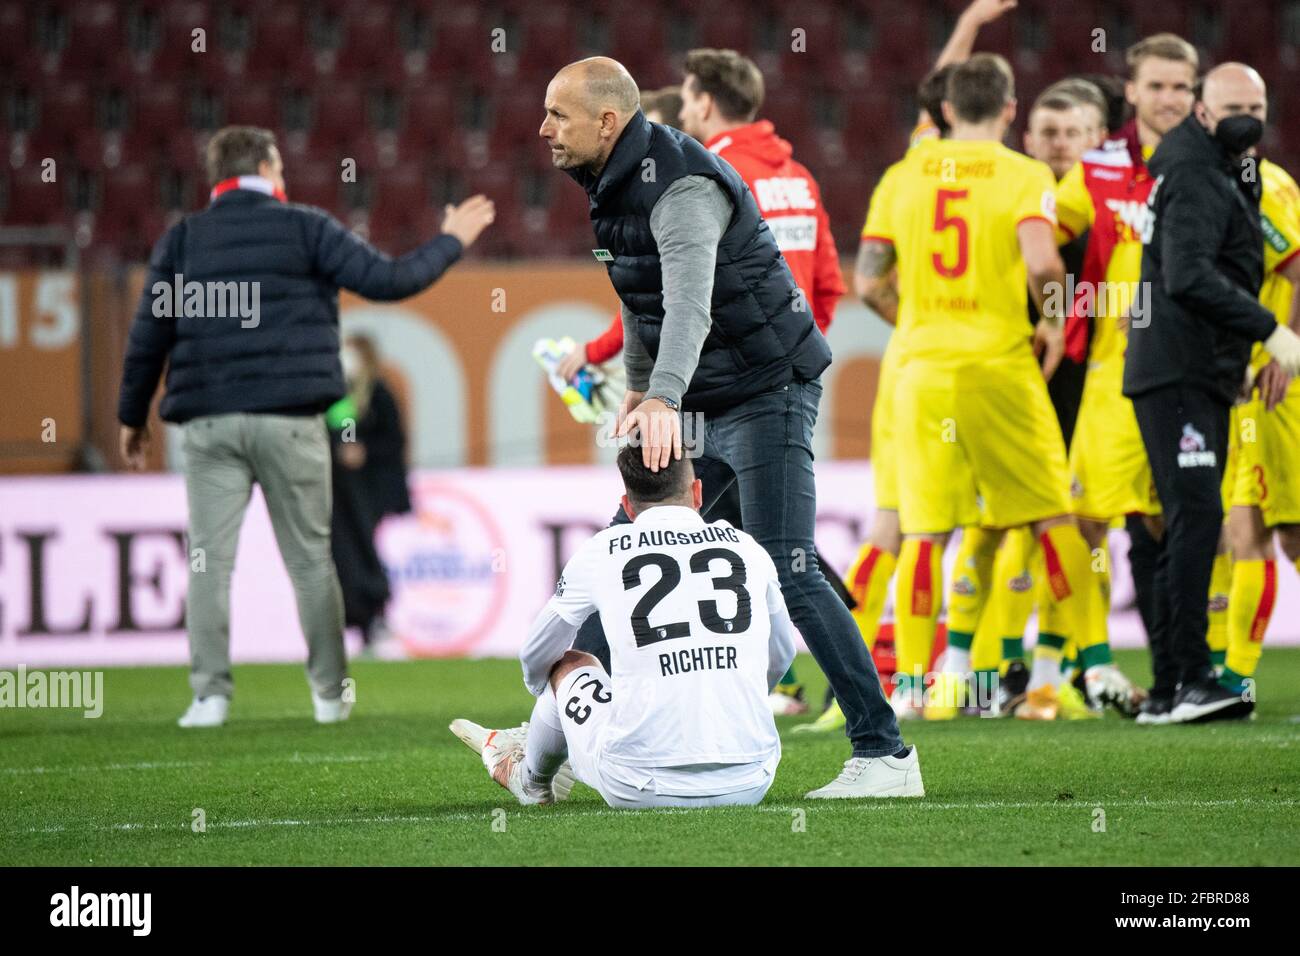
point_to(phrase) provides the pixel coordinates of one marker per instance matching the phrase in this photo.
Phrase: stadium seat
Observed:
(15, 33)
(251, 104)
(129, 188)
(314, 183)
(30, 201)
(67, 108)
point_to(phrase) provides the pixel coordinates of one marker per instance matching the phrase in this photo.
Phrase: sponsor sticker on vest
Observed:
(1273, 235)
(602, 255)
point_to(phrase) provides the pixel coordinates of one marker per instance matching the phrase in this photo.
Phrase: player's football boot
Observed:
(1012, 687)
(502, 752)
(1040, 703)
(1106, 684)
(787, 700)
(831, 720)
(1209, 700)
(945, 697)
(1073, 706)
(865, 777)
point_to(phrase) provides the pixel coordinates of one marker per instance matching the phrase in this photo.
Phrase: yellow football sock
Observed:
(868, 581)
(1092, 644)
(986, 649)
(1250, 605)
(1013, 598)
(920, 584)
(1220, 602)
(968, 592)
(1066, 604)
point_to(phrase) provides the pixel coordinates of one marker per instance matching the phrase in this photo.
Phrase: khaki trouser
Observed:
(289, 456)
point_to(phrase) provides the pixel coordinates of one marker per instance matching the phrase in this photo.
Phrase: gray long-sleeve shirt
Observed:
(687, 222)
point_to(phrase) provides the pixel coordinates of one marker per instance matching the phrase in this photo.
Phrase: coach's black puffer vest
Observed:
(761, 336)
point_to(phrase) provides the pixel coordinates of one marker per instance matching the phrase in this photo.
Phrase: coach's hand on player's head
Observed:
(631, 400)
(1049, 346)
(470, 218)
(658, 428)
(133, 443)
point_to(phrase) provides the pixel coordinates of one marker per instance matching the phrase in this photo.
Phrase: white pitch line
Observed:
(184, 764)
(875, 806)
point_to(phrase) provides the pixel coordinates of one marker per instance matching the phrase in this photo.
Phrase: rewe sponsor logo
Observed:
(103, 909)
(1192, 453)
(778, 193)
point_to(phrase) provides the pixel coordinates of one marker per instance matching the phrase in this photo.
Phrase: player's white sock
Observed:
(1046, 670)
(546, 747)
(956, 660)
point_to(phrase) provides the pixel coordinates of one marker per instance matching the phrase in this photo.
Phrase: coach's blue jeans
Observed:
(764, 446)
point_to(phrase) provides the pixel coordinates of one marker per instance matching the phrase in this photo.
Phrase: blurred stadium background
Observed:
(116, 96)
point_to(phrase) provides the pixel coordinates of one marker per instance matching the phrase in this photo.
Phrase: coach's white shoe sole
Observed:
(873, 777)
(208, 712)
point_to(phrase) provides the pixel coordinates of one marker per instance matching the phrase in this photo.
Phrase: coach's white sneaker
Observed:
(502, 752)
(330, 711)
(208, 712)
(875, 777)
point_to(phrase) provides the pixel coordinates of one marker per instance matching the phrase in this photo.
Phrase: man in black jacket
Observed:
(241, 302)
(1188, 349)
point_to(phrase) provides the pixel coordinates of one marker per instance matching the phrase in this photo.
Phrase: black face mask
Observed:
(1239, 133)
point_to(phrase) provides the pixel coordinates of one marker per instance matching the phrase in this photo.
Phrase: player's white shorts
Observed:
(583, 699)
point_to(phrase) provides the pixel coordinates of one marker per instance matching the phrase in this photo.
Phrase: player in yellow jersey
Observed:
(872, 572)
(1265, 438)
(968, 222)
(1106, 195)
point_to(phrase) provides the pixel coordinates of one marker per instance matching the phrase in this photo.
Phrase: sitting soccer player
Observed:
(698, 634)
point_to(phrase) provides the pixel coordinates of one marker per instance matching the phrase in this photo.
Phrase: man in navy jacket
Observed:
(241, 303)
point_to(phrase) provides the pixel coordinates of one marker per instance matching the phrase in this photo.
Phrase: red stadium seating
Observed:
(412, 91)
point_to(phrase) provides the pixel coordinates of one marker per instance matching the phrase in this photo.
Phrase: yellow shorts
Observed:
(883, 452)
(1264, 453)
(990, 427)
(1109, 473)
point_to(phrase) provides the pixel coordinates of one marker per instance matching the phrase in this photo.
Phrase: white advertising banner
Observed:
(93, 569)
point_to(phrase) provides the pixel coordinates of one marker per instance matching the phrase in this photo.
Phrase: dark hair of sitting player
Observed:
(645, 488)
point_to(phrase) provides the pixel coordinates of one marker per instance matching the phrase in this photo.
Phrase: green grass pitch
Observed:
(393, 786)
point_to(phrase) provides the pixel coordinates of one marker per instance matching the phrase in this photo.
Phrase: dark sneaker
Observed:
(1155, 710)
(1012, 687)
(1208, 700)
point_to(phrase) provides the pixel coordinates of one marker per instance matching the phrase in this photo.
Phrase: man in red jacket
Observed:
(721, 96)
